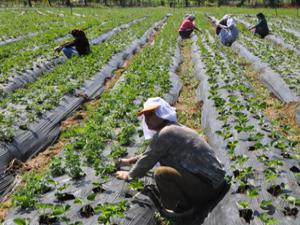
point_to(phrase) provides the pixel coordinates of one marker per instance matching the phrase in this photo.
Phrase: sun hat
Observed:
(161, 108)
(191, 17)
(230, 22)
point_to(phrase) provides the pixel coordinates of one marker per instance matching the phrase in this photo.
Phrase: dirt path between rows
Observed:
(281, 115)
(188, 107)
(40, 162)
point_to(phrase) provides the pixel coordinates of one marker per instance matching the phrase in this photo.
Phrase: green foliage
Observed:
(267, 219)
(21, 221)
(109, 211)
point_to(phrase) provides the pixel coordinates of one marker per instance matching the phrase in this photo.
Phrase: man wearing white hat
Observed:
(189, 173)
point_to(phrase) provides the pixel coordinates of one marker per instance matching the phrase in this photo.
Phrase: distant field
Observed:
(246, 106)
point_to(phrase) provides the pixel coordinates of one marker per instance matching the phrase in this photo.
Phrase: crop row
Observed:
(23, 55)
(109, 132)
(262, 163)
(27, 105)
(40, 20)
(278, 28)
(284, 62)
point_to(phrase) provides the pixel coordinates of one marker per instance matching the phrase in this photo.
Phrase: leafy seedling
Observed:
(21, 221)
(270, 174)
(110, 211)
(267, 219)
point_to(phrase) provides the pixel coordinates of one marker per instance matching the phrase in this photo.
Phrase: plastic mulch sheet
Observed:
(141, 209)
(11, 40)
(275, 39)
(45, 132)
(227, 210)
(48, 65)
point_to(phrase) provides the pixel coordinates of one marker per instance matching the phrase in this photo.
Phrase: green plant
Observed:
(21, 221)
(110, 211)
(267, 219)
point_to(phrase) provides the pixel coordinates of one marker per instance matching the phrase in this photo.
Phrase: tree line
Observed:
(170, 3)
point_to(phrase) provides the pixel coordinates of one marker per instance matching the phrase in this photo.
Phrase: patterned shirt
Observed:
(180, 147)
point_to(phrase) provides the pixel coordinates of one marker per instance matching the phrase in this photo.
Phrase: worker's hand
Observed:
(58, 49)
(122, 175)
(124, 162)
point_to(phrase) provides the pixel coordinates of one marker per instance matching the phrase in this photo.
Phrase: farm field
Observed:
(65, 122)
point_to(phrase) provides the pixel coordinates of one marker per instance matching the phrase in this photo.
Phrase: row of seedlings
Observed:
(278, 27)
(46, 130)
(275, 39)
(37, 26)
(13, 30)
(290, 25)
(25, 106)
(284, 63)
(31, 21)
(84, 170)
(261, 164)
(43, 65)
(269, 77)
(26, 56)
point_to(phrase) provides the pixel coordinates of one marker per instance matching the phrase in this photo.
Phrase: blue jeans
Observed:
(69, 52)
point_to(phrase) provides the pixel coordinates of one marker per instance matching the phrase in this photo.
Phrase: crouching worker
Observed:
(189, 175)
(226, 30)
(187, 26)
(261, 28)
(78, 46)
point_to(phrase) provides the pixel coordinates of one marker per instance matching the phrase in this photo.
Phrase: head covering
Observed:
(230, 22)
(77, 32)
(191, 17)
(161, 108)
(226, 17)
(260, 15)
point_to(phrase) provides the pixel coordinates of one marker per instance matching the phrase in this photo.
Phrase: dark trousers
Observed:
(179, 187)
(261, 32)
(185, 34)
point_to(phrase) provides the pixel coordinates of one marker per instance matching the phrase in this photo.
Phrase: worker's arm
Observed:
(252, 27)
(155, 151)
(221, 26)
(66, 45)
(196, 28)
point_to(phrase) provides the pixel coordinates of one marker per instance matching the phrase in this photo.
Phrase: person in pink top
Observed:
(187, 27)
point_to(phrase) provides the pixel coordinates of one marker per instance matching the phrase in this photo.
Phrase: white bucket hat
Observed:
(161, 108)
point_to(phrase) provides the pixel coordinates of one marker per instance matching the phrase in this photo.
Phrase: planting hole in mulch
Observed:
(236, 173)
(98, 189)
(246, 214)
(48, 219)
(290, 211)
(295, 169)
(243, 188)
(86, 211)
(275, 190)
(64, 196)
(128, 195)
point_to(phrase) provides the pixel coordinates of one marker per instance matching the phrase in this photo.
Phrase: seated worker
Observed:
(261, 28)
(226, 30)
(187, 26)
(189, 174)
(79, 46)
